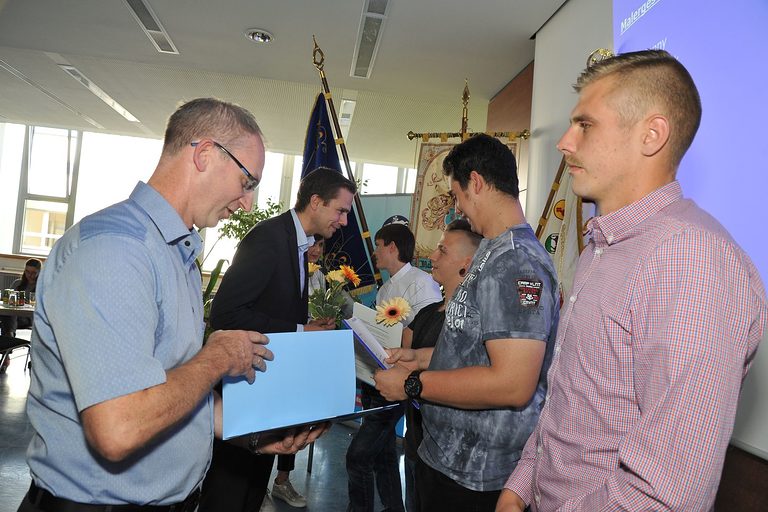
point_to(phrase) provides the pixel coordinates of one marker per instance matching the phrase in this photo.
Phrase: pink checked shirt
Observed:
(662, 326)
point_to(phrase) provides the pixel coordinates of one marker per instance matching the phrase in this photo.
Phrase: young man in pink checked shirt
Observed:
(664, 319)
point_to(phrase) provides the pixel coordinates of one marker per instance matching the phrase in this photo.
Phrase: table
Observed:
(7, 310)
(26, 310)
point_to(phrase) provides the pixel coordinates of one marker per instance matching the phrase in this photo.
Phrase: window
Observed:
(52, 178)
(44, 223)
(46, 200)
(379, 179)
(216, 249)
(271, 179)
(409, 181)
(270, 190)
(296, 178)
(49, 163)
(11, 153)
(110, 167)
(298, 161)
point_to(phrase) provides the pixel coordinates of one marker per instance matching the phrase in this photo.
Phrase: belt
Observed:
(47, 502)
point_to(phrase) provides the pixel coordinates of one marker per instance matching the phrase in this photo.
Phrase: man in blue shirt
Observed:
(120, 394)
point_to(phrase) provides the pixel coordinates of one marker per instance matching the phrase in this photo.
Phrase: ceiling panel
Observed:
(428, 48)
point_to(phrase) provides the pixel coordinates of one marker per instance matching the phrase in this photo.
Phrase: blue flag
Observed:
(346, 246)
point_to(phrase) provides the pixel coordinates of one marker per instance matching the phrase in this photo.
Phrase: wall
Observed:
(562, 47)
(510, 111)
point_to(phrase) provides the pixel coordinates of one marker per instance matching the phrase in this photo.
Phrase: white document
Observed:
(388, 337)
(370, 341)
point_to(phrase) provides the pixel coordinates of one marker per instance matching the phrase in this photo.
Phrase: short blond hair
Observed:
(649, 78)
(207, 117)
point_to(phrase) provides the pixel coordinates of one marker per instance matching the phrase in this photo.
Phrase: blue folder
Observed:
(312, 379)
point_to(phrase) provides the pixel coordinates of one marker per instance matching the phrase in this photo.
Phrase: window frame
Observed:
(72, 169)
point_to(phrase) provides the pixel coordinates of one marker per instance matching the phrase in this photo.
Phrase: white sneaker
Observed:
(288, 494)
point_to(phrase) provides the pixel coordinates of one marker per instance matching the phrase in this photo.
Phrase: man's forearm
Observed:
(118, 427)
(509, 381)
(475, 387)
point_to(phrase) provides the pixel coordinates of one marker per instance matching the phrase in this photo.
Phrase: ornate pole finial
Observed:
(598, 55)
(318, 57)
(464, 134)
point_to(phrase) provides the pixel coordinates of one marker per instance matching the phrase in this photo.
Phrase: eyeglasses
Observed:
(252, 182)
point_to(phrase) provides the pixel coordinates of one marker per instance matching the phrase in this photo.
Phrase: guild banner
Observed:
(432, 207)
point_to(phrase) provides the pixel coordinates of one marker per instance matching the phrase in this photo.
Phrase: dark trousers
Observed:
(438, 492)
(373, 452)
(27, 506)
(286, 462)
(412, 503)
(236, 481)
(40, 500)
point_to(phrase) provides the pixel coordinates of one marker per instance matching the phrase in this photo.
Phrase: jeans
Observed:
(373, 452)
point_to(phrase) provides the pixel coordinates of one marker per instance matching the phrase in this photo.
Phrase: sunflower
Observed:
(336, 275)
(312, 267)
(392, 311)
(350, 275)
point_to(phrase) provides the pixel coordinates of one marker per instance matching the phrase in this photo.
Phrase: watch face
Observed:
(413, 385)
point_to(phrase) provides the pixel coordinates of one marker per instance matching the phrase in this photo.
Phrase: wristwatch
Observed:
(253, 443)
(412, 385)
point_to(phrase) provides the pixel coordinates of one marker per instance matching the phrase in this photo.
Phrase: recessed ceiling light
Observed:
(259, 35)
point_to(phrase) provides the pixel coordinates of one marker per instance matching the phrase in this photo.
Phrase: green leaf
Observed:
(240, 222)
(215, 273)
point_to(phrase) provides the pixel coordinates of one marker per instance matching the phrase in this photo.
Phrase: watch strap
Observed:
(413, 385)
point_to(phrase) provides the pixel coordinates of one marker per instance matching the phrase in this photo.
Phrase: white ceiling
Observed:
(427, 49)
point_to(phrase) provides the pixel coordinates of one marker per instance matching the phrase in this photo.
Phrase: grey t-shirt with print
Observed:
(510, 291)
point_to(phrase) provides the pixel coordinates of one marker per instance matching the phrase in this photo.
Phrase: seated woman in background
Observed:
(27, 283)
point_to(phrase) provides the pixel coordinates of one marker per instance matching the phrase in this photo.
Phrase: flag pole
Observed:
(318, 59)
(552, 191)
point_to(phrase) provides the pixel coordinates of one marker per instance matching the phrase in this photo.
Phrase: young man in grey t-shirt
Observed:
(482, 386)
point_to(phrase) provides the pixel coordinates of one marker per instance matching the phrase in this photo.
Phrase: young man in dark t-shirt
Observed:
(482, 388)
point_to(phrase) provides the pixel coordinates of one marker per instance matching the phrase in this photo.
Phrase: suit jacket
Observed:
(260, 290)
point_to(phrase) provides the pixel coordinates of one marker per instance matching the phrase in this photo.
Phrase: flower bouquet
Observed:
(328, 303)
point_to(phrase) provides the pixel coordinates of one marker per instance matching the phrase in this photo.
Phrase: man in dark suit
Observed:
(265, 290)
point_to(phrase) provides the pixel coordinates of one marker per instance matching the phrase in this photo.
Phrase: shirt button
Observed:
(549, 394)
(598, 252)
(537, 497)
(186, 243)
(539, 450)
(572, 299)
(557, 349)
